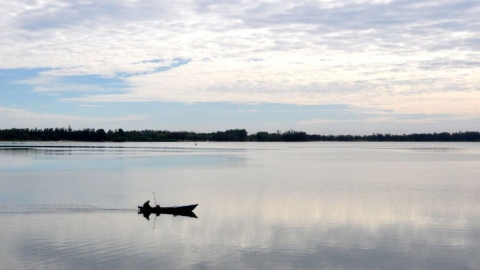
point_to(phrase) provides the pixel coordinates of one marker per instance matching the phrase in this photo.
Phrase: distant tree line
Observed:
(119, 135)
(469, 136)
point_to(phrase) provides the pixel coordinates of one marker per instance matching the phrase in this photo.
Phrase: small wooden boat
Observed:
(167, 210)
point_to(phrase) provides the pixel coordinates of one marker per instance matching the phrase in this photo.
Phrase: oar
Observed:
(154, 198)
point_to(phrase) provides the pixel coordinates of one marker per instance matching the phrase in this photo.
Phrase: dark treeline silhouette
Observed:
(119, 135)
(469, 136)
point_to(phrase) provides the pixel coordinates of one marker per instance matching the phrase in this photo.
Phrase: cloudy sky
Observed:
(321, 66)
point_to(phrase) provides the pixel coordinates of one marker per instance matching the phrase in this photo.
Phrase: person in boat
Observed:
(146, 205)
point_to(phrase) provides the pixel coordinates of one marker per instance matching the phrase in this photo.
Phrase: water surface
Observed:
(322, 205)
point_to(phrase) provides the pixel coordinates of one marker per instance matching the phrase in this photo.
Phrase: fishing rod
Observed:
(154, 198)
(155, 214)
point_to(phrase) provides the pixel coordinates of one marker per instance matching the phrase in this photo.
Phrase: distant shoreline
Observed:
(232, 135)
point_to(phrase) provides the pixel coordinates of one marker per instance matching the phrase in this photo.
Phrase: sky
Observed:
(320, 66)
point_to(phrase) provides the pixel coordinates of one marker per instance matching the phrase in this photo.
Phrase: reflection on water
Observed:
(264, 206)
(181, 214)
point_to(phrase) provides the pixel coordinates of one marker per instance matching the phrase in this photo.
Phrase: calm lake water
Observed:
(323, 205)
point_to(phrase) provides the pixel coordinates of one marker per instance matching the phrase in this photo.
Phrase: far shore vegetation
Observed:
(233, 135)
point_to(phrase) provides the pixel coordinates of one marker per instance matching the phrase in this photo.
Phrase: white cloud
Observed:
(404, 90)
(404, 56)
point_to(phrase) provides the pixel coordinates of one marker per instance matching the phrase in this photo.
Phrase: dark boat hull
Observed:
(168, 210)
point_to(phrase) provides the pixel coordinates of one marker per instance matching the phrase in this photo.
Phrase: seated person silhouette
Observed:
(146, 205)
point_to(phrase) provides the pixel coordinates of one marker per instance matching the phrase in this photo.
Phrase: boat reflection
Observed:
(184, 214)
